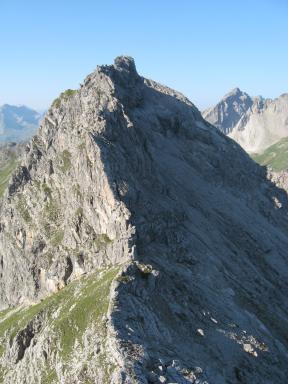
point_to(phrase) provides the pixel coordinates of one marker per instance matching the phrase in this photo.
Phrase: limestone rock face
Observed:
(254, 123)
(229, 111)
(157, 246)
(279, 178)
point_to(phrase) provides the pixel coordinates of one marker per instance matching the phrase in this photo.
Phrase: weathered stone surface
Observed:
(126, 172)
(279, 178)
(254, 123)
(229, 111)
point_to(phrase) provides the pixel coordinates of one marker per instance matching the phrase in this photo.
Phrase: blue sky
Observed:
(203, 48)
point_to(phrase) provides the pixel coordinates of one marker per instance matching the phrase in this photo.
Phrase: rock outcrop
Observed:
(154, 248)
(255, 123)
(279, 178)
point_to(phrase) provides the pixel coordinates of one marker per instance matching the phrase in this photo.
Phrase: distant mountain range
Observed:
(18, 123)
(254, 122)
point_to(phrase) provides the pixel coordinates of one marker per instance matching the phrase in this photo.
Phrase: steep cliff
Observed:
(229, 111)
(139, 244)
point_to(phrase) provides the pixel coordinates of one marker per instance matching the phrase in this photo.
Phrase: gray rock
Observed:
(279, 178)
(229, 111)
(254, 123)
(182, 224)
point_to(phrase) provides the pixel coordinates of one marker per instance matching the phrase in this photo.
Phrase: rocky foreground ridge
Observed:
(253, 122)
(138, 244)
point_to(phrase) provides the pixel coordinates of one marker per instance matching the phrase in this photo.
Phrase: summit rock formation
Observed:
(138, 244)
(229, 111)
(255, 123)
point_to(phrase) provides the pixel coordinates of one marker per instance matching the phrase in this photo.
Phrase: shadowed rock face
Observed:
(228, 112)
(126, 172)
(254, 123)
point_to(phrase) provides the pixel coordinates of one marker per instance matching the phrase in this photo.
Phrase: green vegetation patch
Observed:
(102, 240)
(51, 210)
(14, 320)
(276, 156)
(57, 237)
(5, 173)
(49, 376)
(90, 306)
(63, 96)
(47, 190)
(68, 313)
(51, 222)
(23, 209)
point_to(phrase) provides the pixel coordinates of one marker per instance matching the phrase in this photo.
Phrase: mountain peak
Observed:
(125, 63)
(124, 73)
(169, 231)
(254, 122)
(227, 113)
(235, 92)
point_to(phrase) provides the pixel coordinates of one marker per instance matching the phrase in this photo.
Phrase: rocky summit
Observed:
(229, 111)
(254, 122)
(138, 244)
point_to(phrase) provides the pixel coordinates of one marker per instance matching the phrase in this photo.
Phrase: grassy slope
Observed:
(5, 173)
(70, 312)
(276, 156)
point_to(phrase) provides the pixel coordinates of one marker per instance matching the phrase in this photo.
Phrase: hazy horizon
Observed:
(43, 110)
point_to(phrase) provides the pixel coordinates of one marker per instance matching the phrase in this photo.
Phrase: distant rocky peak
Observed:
(228, 112)
(254, 122)
(234, 92)
(259, 102)
(237, 94)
